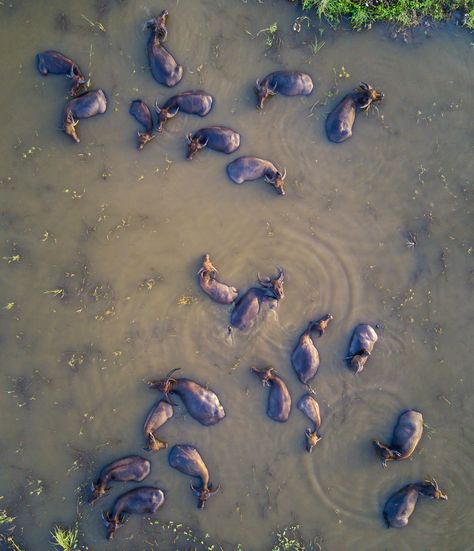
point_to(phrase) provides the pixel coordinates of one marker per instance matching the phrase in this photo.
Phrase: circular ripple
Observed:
(344, 464)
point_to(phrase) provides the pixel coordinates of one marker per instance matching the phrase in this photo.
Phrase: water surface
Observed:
(104, 295)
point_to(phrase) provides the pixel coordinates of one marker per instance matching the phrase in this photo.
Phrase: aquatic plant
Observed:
(402, 13)
(271, 36)
(65, 538)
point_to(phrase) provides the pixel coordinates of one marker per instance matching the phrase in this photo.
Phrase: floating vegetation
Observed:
(65, 538)
(271, 35)
(56, 293)
(186, 300)
(291, 539)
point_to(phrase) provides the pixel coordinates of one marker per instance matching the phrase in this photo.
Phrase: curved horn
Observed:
(214, 490)
(157, 107)
(365, 86)
(280, 273)
(175, 113)
(196, 491)
(264, 282)
(257, 82)
(283, 176)
(168, 375)
(189, 137)
(106, 517)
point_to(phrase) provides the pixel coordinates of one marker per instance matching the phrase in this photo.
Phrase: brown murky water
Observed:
(101, 245)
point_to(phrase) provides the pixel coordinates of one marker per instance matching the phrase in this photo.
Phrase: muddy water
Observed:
(103, 294)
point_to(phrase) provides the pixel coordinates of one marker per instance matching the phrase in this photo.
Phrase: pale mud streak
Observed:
(122, 233)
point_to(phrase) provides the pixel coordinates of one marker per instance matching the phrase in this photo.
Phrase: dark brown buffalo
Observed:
(88, 105)
(279, 399)
(287, 83)
(139, 501)
(305, 357)
(248, 306)
(131, 468)
(244, 169)
(57, 63)
(218, 291)
(193, 103)
(218, 138)
(202, 403)
(186, 459)
(310, 407)
(400, 506)
(341, 119)
(406, 435)
(156, 418)
(142, 114)
(362, 344)
(164, 68)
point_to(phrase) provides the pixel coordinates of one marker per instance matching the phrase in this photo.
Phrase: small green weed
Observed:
(65, 538)
(271, 35)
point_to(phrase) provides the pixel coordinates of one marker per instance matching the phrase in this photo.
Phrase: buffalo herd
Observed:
(201, 402)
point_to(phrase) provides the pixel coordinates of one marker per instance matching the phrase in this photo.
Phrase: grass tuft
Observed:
(402, 13)
(65, 538)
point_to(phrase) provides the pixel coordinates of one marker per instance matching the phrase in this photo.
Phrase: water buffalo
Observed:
(88, 105)
(142, 114)
(202, 403)
(288, 83)
(219, 138)
(186, 459)
(57, 63)
(341, 119)
(131, 468)
(156, 418)
(305, 357)
(400, 506)
(164, 68)
(310, 407)
(141, 501)
(192, 103)
(252, 168)
(218, 291)
(361, 346)
(279, 399)
(248, 306)
(406, 435)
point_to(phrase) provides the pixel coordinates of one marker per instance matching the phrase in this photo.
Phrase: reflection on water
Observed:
(101, 245)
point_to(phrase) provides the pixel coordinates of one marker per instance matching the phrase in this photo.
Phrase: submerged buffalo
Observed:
(132, 468)
(361, 346)
(310, 407)
(244, 169)
(305, 357)
(218, 291)
(406, 435)
(186, 459)
(287, 83)
(248, 306)
(202, 403)
(139, 501)
(218, 138)
(57, 63)
(142, 114)
(164, 68)
(88, 105)
(279, 399)
(400, 506)
(341, 119)
(193, 103)
(156, 418)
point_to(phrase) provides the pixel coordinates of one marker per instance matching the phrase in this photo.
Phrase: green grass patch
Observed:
(402, 13)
